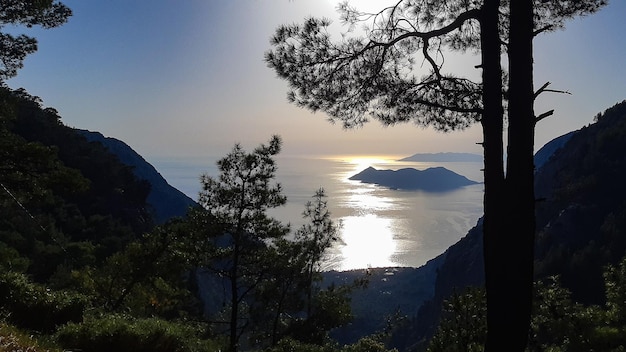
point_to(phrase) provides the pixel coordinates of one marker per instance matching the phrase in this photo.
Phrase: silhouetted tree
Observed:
(28, 13)
(376, 75)
(238, 201)
(315, 237)
(288, 301)
(463, 326)
(145, 276)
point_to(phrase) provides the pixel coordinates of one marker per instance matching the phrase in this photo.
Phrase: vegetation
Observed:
(139, 289)
(45, 13)
(82, 265)
(379, 75)
(558, 323)
(237, 203)
(127, 333)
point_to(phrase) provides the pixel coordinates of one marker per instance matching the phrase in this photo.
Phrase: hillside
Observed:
(167, 201)
(60, 187)
(77, 207)
(60, 191)
(79, 243)
(581, 219)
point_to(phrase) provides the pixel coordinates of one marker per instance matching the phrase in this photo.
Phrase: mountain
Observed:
(166, 200)
(66, 202)
(434, 179)
(581, 221)
(444, 157)
(545, 152)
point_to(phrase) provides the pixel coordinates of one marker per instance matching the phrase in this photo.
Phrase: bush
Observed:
(289, 345)
(14, 340)
(123, 333)
(35, 307)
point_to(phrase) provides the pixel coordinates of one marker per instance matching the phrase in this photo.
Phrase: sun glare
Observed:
(367, 235)
(363, 199)
(359, 163)
(368, 242)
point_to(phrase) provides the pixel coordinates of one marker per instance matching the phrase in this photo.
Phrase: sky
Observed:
(188, 78)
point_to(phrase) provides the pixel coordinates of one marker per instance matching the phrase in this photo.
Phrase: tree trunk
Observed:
(520, 173)
(234, 298)
(494, 222)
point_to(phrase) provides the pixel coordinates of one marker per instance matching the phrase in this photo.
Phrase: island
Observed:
(434, 179)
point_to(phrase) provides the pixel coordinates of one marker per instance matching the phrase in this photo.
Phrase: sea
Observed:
(379, 227)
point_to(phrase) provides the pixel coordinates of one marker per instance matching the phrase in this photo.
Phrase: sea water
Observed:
(379, 227)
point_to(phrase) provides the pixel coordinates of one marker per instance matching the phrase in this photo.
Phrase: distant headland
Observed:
(434, 179)
(444, 157)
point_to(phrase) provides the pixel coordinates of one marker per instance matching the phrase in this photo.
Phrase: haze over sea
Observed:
(380, 227)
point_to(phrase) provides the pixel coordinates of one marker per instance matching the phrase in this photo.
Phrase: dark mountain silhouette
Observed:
(580, 223)
(444, 157)
(581, 214)
(166, 200)
(435, 179)
(545, 152)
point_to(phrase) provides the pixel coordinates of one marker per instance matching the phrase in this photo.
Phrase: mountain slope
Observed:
(61, 195)
(581, 221)
(166, 200)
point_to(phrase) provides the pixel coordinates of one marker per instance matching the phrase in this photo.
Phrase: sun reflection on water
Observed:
(365, 199)
(388, 228)
(367, 235)
(367, 242)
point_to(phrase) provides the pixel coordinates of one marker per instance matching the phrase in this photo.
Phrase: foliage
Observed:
(67, 203)
(365, 344)
(126, 333)
(15, 340)
(114, 194)
(28, 13)
(271, 282)
(395, 73)
(463, 321)
(75, 238)
(372, 75)
(393, 70)
(315, 237)
(35, 307)
(11, 259)
(146, 277)
(615, 285)
(583, 220)
(287, 299)
(289, 345)
(330, 309)
(75, 220)
(558, 323)
(238, 201)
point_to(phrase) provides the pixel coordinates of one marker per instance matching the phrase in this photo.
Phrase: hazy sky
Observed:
(182, 78)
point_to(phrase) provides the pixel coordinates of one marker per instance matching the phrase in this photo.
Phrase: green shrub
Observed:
(34, 307)
(15, 340)
(123, 333)
(289, 345)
